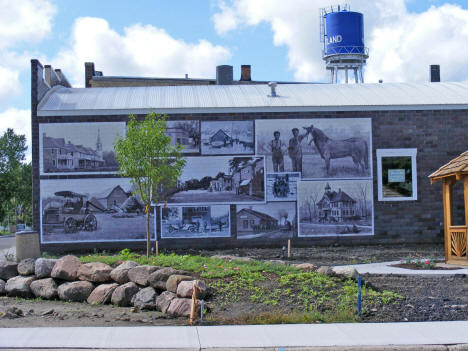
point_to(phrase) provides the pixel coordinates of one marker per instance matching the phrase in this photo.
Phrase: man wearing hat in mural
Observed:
(295, 150)
(277, 148)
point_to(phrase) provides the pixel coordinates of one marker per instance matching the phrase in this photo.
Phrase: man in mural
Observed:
(295, 150)
(277, 148)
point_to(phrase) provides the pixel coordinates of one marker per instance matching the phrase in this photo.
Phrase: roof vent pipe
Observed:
(435, 73)
(245, 72)
(224, 75)
(272, 86)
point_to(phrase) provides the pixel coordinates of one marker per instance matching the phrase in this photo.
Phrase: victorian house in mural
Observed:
(336, 206)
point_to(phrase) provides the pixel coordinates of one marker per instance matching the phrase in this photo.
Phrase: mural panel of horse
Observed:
(356, 148)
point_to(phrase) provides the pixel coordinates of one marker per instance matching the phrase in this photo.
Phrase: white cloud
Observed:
(402, 44)
(9, 83)
(20, 121)
(142, 50)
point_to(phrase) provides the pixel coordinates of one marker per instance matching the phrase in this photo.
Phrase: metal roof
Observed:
(254, 98)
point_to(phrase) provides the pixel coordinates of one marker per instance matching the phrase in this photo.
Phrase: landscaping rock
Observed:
(164, 300)
(174, 280)
(181, 307)
(66, 268)
(43, 267)
(122, 295)
(102, 294)
(185, 288)
(45, 288)
(345, 271)
(325, 270)
(145, 299)
(306, 266)
(26, 266)
(96, 272)
(75, 291)
(13, 312)
(140, 274)
(159, 278)
(120, 273)
(8, 270)
(2, 287)
(19, 286)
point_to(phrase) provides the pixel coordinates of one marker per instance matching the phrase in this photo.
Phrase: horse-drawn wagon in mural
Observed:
(69, 211)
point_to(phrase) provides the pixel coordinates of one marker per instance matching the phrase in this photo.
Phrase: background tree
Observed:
(146, 156)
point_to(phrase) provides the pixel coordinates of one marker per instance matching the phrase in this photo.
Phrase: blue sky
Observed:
(170, 38)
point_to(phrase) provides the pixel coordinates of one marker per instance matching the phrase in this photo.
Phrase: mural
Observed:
(101, 209)
(335, 207)
(318, 148)
(220, 179)
(227, 137)
(79, 147)
(185, 133)
(282, 186)
(273, 221)
(195, 222)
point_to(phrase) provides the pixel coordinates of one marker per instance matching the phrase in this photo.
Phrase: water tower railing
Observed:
(339, 50)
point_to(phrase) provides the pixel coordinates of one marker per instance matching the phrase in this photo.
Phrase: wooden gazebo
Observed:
(455, 237)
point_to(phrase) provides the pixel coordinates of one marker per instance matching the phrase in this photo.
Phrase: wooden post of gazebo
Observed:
(455, 237)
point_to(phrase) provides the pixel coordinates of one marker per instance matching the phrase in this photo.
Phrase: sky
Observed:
(157, 38)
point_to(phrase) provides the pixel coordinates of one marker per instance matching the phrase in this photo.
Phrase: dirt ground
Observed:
(423, 298)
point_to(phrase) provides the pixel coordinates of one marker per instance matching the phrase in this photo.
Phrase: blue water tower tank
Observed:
(344, 33)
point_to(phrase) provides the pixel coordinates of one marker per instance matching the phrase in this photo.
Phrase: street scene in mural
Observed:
(335, 207)
(220, 179)
(91, 210)
(318, 148)
(273, 221)
(185, 133)
(227, 137)
(195, 222)
(79, 147)
(282, 186)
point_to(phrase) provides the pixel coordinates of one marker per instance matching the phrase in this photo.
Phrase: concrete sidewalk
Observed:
(340, 336)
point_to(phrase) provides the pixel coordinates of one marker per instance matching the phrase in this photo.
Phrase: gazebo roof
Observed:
(455, 167)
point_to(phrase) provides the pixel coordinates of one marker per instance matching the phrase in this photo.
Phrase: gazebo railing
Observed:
(458, 241)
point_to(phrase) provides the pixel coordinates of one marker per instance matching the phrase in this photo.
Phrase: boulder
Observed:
(325, 270)
(159, 278)
(45, 288)
(96, 272)
(26, 266)
(305, 266)
(346, 271)
(8, 270)
(66, 268)
(164, 300)
(140, 274)
(122, 295)
(181, 307)
(102, 294)
(120, 273)
(145, 299)
(174, 280)
(185, 288)
(43, 267)
(19, 286)
(2, 287)
(75, 291)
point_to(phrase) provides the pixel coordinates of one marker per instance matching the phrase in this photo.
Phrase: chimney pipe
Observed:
(224, 75)
(272, 86)
(435, 73)
(245, 73)
(89, 73)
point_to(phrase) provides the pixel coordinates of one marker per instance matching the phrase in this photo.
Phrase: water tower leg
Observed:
(356, 79)
(346, 75)
(336, 76)
(332, 73)
(361, 76)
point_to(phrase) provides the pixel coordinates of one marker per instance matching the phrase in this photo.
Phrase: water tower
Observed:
(342, 35)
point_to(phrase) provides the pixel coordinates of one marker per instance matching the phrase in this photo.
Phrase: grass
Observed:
(5, 233)
(275, 293)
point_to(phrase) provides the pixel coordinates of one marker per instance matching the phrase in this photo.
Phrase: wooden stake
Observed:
(156, 248)
(192, 307)
(289, 248)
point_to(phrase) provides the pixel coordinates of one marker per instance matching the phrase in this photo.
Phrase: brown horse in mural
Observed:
(356, 148)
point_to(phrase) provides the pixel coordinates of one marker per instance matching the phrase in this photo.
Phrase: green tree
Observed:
(146, 156)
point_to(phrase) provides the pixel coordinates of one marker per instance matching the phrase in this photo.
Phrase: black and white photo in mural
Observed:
(335, 207)
(282, 186)
(227, 137)
(185, 133)
(79, 147)
(195, 221)
(273, 220)
(318, 148)
(102, 209)
(220, 179)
